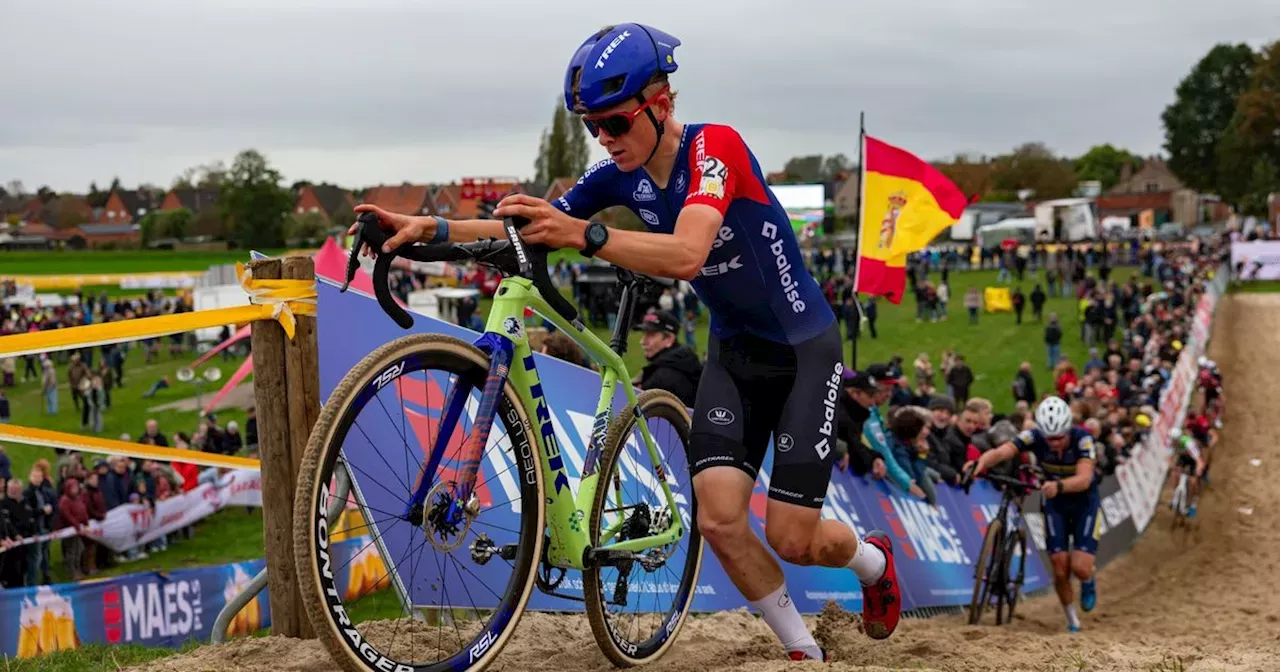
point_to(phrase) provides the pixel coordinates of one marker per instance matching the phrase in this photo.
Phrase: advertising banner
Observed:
(156, 608)
(1257, 259)
(130, 525)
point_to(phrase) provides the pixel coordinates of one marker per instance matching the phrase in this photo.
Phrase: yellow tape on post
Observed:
(278, 300)
(92, 444)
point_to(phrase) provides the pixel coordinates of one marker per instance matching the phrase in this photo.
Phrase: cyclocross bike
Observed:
(447, 567)
(999, 573)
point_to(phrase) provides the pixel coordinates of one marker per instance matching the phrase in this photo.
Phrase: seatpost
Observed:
(622, 327)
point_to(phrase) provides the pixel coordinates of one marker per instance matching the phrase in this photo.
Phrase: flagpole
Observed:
(857, 260)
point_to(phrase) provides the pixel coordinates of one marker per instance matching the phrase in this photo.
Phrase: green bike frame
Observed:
(570, 540)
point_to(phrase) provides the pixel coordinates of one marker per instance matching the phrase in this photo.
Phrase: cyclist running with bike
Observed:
(1188, 458)
(774, 357)
(1070, 504)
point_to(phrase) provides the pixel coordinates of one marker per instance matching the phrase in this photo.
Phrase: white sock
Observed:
(1072, 619)
(868, 563)
(780, 613)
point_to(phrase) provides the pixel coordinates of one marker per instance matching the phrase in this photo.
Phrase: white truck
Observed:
(1067, 220)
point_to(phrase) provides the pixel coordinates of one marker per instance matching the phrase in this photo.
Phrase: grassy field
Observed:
(1254, 287)
(122, 261)
(92, 658)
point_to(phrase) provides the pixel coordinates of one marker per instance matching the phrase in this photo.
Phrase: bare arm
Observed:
(995, 456)
(679, 255)
(1082, 479)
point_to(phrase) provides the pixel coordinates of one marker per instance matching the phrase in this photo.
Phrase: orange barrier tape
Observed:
(278, 300)
(92, 444)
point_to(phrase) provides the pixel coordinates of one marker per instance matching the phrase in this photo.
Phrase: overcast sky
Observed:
(366, 91)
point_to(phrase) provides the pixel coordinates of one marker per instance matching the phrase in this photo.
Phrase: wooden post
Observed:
(274, 392)
(302, 371)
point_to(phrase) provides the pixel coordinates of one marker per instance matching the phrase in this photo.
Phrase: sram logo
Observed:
(389, 375)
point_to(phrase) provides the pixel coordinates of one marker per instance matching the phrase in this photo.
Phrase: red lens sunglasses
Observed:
(620, 123)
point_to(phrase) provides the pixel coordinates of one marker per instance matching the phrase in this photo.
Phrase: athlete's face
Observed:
(630, 149)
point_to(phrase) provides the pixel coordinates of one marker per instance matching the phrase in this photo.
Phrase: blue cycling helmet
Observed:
(615, 64)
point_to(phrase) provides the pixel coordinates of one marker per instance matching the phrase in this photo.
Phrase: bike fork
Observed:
(500, 353)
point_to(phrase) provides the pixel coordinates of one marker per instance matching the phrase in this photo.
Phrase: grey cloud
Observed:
(388, 90)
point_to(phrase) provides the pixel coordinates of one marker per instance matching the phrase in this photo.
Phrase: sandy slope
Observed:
(1208, 599)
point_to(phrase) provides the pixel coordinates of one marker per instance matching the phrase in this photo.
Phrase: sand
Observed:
(1207, 598)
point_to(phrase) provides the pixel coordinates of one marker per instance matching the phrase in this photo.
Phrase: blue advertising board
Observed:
(156, 608)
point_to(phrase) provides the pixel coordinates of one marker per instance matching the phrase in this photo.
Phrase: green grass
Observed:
(128, 414)
(92, 658)
(1254, 287)
(120, 261)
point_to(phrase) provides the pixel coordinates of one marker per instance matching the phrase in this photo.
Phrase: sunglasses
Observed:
(620, 123)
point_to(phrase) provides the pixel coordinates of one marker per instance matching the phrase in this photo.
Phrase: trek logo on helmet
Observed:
(609, 49)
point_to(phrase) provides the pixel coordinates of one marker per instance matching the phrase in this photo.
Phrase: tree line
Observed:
(1222, 136)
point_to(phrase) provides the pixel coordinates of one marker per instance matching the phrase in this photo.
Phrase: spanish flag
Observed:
(905, 203)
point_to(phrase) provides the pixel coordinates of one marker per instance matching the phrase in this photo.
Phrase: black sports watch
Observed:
(597, 235)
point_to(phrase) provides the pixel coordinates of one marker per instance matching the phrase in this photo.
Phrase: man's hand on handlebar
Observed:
(408, 229)
(1051, 489)
(547, 225)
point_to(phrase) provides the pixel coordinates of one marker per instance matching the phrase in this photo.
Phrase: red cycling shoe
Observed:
(799, 656)
(881, 601)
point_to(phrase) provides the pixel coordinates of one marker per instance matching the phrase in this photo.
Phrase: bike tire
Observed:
(982, 572)
(621, 652)
(316, 584)
(1016, 541)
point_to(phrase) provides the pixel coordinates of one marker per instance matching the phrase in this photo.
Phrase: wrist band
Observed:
(442, 230)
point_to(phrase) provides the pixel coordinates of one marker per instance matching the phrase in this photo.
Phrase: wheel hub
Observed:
(446, 521)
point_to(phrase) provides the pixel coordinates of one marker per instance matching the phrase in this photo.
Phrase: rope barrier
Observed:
(279, 300)
(91, 444)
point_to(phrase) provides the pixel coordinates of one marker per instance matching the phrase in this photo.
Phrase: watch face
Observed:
(597, 234)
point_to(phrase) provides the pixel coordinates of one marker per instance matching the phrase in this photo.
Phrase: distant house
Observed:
(406, 199)
(846, 197)
(325, 200)
(465, 199)
(195, 200)
(95, 236)
(126, 206)
(558, 187)
(1152, 187)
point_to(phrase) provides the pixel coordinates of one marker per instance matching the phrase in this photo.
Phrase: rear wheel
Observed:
(423, 589)
(636, 607)
(983, 572)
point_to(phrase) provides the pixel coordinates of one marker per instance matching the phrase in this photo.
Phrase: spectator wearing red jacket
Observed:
(96, 506)
(72, 513)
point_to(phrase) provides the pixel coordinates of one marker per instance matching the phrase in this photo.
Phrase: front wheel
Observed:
(637, 606)
(1015, 555)
(388, 586)
(984, 572)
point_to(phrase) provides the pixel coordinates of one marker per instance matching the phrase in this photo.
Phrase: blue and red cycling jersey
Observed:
(754, 280)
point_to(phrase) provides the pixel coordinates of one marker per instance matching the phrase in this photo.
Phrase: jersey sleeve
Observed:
(592, 193)
(1025, 440)
(1088, 451)
(719, 167)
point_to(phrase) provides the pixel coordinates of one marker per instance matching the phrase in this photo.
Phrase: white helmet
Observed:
(1175, 433)
(1053, 416)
